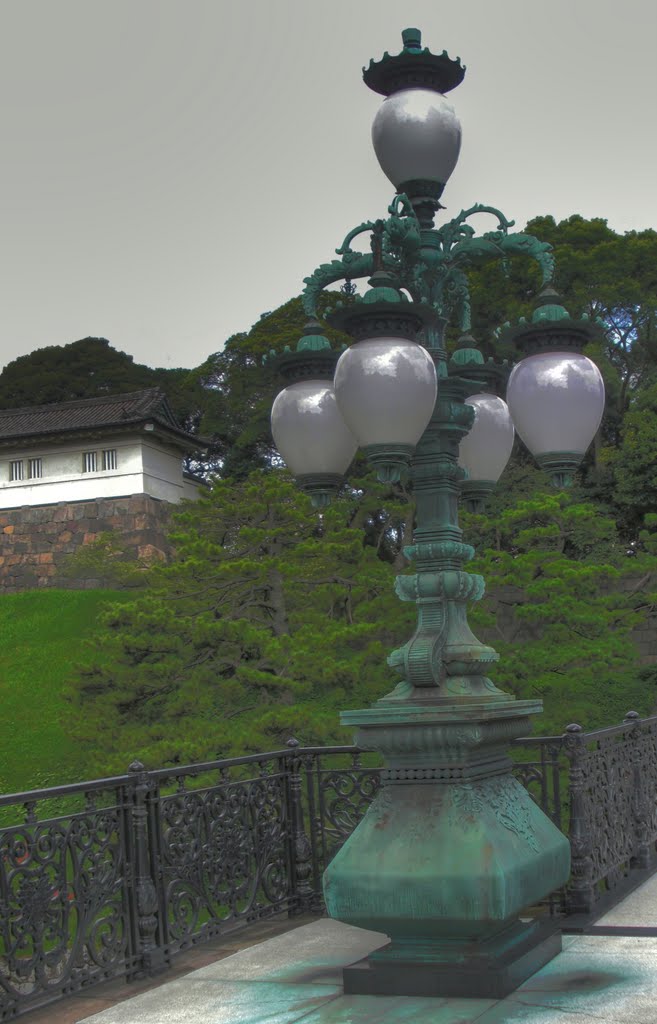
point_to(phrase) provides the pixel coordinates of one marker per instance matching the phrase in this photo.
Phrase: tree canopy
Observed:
(269, 620)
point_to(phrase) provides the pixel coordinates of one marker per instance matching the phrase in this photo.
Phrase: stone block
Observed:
(150, 553)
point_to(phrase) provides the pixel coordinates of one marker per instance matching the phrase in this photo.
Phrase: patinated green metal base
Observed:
(450, 852)
(490, 969)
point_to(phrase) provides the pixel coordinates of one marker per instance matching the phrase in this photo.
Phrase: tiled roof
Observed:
(90, 414)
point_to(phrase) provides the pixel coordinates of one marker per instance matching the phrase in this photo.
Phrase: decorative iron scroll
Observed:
(63, 896)
(542, 778)
(610, 821)
(343, 796)
(223, 854)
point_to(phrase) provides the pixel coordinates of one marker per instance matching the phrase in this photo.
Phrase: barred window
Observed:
(109, 458)
(34, 469)
(17, 470)
(89, 462)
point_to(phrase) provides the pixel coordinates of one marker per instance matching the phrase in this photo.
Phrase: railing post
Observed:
(300, 887)
(144, 903)
(640, 810)
(580, 896)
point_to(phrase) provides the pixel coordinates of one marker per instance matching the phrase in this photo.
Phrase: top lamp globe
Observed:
(416, 134)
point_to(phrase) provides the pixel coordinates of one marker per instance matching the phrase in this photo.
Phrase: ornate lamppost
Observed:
(453, 847)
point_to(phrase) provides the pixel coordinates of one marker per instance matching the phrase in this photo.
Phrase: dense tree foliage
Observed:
(558, 614)
(270, 619)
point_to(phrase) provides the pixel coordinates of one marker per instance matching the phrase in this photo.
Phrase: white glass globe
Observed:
(386, 390)
(416, 135)
(485, 451)
(309, 431)
(556, 400)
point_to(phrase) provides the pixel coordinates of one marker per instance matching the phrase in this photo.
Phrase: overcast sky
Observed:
(173, 168)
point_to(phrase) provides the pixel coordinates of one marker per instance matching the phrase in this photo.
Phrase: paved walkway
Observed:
(296, 976)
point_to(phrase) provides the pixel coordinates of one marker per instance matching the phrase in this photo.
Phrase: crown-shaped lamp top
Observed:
(415, 66)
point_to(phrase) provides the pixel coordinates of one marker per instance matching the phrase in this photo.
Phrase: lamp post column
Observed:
(443, 659)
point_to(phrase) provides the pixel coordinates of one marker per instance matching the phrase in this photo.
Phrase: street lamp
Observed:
(453, 847)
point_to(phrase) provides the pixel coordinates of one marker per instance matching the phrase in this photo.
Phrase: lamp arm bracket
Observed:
(367, 225)
(352, 265)
(529, 246)
(452, 292)
(455, 230)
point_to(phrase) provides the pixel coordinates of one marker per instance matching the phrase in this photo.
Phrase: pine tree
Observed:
(269, 621)
(558, 612)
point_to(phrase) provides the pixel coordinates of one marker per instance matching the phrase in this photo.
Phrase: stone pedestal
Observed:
(448, 855)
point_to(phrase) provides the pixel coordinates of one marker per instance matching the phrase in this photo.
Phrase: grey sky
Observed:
(173, 168)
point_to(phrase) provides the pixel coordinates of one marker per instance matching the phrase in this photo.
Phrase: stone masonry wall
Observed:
(36, 541)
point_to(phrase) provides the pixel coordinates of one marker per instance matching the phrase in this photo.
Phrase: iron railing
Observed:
(116, 876)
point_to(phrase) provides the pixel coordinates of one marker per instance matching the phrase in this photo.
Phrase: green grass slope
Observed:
(42, 638)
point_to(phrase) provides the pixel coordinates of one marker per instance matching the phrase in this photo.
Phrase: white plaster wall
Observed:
(162, 472)
(63, 479)
(143, 467)
(191, 491)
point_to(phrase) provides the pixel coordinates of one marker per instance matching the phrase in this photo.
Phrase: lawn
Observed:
(42, 637)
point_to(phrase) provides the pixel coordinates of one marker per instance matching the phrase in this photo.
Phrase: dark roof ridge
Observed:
(84, 414)
(98, 400)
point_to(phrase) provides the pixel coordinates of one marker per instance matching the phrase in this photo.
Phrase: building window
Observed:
(34, 469)
(17, 470)
(109, 458)
(89, 462)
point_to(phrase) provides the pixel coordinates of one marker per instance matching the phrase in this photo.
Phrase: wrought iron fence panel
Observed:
(643, 741)
(611, 806)
(308, 767)
(64, 919)
(543, 775)
(343, 795)
(223, 853)
(608, 814)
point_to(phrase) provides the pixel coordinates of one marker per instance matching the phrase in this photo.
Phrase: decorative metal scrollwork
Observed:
(222, 855)
(62, 898)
